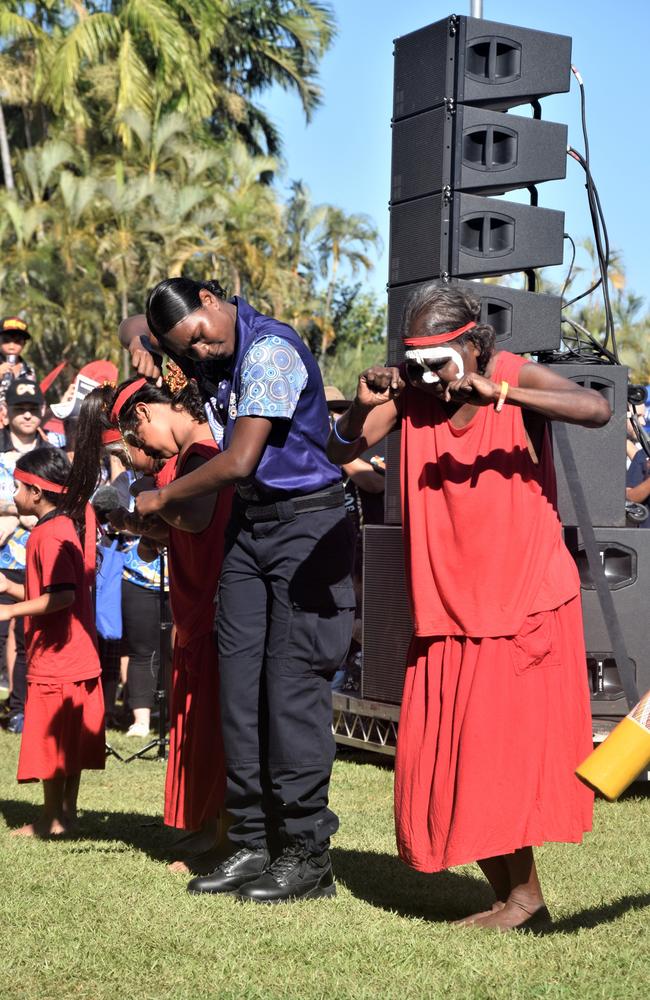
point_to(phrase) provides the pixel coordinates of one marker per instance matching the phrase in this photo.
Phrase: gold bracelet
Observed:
(502, 396)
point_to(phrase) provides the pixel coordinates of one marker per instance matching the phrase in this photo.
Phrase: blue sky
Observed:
(344, 154)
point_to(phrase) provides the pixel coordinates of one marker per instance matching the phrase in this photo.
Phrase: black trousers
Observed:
(141, 633)
(285, 614)
(19, 683)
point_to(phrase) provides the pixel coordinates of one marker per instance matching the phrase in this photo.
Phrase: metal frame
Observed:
(365, 725)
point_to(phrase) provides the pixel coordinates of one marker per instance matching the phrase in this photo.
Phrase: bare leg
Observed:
(497, 874)
(70, 796)
(51, 822)
(525, 899)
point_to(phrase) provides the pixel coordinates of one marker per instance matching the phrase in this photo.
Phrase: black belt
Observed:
(286, 510)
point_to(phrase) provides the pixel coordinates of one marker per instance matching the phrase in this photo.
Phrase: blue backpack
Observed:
(108, 593)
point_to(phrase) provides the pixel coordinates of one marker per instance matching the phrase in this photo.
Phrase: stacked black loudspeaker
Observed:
(455, 147)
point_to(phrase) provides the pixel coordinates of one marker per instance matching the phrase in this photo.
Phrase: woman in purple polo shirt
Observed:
(286, 600)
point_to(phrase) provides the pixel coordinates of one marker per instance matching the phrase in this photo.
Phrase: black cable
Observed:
(573, 260)
(601, 236)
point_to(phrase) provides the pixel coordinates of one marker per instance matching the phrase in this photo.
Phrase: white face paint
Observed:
(427, 354)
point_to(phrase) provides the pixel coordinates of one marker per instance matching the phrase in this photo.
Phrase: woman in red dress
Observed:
(495, 714)
(172, 426)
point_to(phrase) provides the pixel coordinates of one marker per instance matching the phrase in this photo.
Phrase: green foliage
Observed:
(138, 152)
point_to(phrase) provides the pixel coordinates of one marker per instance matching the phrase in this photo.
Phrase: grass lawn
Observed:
(100, 917)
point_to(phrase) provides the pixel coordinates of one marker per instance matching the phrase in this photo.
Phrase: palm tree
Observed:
(344, 238)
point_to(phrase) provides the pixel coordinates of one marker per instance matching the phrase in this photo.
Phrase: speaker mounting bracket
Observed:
(453, 25)
(450, 105)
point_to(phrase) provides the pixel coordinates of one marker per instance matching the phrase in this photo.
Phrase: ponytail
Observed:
(86, 466)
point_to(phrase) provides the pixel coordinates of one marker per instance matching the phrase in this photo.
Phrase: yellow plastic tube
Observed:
(622, 756)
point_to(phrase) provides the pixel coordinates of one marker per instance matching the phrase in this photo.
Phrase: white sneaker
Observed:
(138, 729)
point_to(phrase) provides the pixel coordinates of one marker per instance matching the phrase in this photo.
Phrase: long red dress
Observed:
(196, 774)
(495, 715)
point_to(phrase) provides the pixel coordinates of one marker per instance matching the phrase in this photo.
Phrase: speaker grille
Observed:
(387, 623)
(423, 60)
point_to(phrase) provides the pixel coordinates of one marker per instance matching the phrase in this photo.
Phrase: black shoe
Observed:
(296, 874)
(243, 866)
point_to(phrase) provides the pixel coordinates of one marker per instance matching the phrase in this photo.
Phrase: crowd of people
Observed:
(253, 479)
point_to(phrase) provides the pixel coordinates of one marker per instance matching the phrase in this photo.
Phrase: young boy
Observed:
(64, 712)
(13, 337)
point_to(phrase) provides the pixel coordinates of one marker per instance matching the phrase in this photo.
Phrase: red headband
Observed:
(110, 437)
(31, 480)
(123, 396)
(439, 338)
(90, 534)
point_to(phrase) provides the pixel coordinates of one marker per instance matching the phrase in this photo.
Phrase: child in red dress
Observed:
(172, 424)
(64, 712)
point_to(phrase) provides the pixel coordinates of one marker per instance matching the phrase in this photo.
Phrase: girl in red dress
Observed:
(172, 426)
(64, 713)
(495, 714)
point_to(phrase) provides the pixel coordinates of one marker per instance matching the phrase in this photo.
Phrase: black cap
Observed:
(24, 390)
(16, 325)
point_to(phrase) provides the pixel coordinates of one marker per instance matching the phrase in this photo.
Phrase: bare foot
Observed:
(473, 917)
(515, 916)
(179, 867)
(42, 828)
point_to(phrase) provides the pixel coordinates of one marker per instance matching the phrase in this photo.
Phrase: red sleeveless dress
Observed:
(495, 715)
(196, 773)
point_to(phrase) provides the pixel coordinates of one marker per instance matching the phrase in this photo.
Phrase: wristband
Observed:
(502, 396)
(342, 439)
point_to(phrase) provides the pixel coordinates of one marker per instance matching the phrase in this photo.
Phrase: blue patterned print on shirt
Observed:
(272, 378)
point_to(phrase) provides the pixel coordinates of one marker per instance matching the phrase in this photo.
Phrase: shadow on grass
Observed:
(142, 831)
(597, 915)
(385, 881)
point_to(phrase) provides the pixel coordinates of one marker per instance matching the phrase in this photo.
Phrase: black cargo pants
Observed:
(286, 608)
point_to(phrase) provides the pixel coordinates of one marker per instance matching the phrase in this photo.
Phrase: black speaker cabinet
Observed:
(467, 236)
(478, 62)
(625, 555)
(471, 149)
(387, 622)
(524, 322)
(599, 452)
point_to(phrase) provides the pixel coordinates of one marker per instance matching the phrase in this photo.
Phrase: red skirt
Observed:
(64, 730)
(490, 733)
(196, 771)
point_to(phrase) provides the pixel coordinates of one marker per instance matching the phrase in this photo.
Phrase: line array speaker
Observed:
(523, 321)
(453, 146)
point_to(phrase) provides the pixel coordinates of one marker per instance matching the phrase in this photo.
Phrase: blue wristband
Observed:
(342, 439)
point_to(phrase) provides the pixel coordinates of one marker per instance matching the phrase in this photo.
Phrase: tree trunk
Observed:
(5, 158)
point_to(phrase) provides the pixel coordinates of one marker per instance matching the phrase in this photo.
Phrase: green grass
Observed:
(101, 918)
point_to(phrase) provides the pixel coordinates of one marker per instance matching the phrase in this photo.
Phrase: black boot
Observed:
(296, 874)
(243, 866)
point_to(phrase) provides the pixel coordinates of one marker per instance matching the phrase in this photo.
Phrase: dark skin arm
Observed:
(141, 344)
(543, 394)
(238, 462)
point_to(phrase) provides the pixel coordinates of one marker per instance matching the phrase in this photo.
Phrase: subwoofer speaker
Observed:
(625, 555)
(599, 453)
(392, 491)
(387, 622)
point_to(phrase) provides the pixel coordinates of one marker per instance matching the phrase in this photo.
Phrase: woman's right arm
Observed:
(373, 415)
(145, 351)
